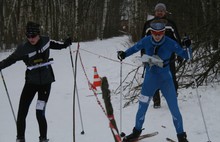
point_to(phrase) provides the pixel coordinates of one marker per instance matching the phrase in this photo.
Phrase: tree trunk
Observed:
(105, 9)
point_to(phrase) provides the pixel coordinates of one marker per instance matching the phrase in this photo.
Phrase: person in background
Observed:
(161, 47)
(35, 53)
(172, 32)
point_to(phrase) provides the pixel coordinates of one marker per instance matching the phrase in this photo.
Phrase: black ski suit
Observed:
(37, 80)
(172, 32)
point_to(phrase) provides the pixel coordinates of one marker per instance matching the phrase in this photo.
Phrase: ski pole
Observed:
(75, 91)
(80, 112)
(74, 96)
(121, 89)
(197, 93)
(8, 97)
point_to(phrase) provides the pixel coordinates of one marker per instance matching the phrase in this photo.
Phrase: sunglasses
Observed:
(30, 36)
(158, 33)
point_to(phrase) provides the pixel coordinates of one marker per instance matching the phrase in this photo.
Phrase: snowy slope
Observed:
(103, 55)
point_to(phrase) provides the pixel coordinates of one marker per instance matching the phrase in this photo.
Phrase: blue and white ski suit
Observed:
(158, 78)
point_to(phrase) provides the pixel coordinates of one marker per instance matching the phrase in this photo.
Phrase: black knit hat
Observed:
(32, 28)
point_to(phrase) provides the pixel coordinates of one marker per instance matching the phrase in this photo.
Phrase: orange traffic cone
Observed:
(97, 79)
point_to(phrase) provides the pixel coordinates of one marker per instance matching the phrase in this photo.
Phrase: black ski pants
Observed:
(26, 98)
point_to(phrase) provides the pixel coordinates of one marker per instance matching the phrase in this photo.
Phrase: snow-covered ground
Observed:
(103, 55)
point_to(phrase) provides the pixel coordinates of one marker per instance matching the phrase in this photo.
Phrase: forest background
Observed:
(92, 19)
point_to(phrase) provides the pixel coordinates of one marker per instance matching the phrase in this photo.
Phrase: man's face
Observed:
(33, 39)
(160, 13)
(157, 35)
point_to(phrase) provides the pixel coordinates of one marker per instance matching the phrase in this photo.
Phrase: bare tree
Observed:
(105, 9)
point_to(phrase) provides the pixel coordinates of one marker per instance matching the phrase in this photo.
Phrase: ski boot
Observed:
(20, 140)
(43, 140)
(135, 134)
(182, 137)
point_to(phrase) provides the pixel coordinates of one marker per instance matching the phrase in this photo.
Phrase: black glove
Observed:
(179, 60)
(186, 41)
(121, 55)
(68, 41)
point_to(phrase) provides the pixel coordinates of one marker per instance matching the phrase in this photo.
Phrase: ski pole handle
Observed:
(189, 53)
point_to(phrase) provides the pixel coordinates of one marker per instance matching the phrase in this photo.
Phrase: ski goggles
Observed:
(157, 33)
(31, 36)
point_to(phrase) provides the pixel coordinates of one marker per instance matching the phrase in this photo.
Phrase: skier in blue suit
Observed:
(161, 47)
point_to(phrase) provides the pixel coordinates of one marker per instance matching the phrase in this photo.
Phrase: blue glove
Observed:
(121, 55)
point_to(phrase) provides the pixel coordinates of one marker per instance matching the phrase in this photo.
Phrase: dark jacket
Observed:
(33, 55)
(171, 30)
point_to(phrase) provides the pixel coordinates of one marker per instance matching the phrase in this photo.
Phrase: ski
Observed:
(170, 140)
(148, 135)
